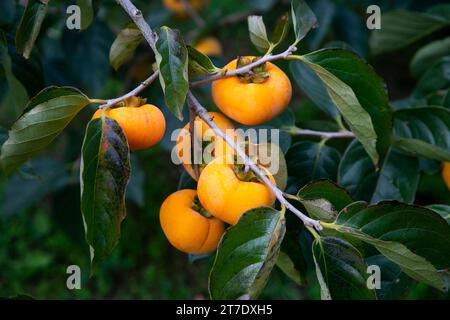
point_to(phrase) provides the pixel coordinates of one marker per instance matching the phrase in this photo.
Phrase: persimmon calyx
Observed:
(197, 206)
(257, 74)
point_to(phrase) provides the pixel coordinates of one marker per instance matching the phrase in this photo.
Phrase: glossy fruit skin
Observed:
(225, 196)
(204, 133)
(186, 229)
(446, 174)
(143, 126)
(209, 46)
(252, 103)
(178, 7)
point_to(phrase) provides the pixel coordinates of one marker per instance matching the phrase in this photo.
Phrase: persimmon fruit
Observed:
(227, 191)
(252, 99)
(187, 226)
(144, 126)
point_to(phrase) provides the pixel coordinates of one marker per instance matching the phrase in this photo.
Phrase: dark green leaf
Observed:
(200, 64)
(272, 158)
(50, 176)
(367, 85)
(87, 13)
(398, 178)
(310, 161)
(105, 169)
(357, 173)
(17, 95)
(442, 209)
(172, 59)
(30, 25)
(323, 199)
(291, 260)
(401, 28)
(123, 48)
(426, 56)
(314, 87)
(446, 100)
(415, 238)
(341, 270)
(284, 121)
(46, 115)
(247, 254)
(423, 132)
(434, 79)
(303, 19)
(395, 284)
(89, 58)
(258, 33)
(8, 10)
(345, 100)
(325, 11)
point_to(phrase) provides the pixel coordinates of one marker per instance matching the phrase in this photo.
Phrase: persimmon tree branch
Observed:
(137, 17)
(247, 68)
(321, 134)
(203, 114)
(144, 84)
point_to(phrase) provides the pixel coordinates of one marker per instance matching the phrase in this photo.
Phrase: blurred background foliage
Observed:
(41, 230)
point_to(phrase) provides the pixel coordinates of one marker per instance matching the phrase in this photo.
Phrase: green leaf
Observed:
(30, 25)
(446, 100)
(398, 178)
(441, 209)
(357, 173)
(45, 116)
(434, 79)
(426, 56)
(303, 19)
(17, 94)
(105, 170)
(246, 255)
(291, 261)
(341, 270)
(345, 100)
(415, 238)
(200, 64)
(308, 161)
(281, 30)
(172, 59)
(87, 13)
(313, 86)
(395, 284)
(423, 132)
(401, 28)
(323, 199)
(258, 33)
(367, 85)
(124, 46)
(89, 59)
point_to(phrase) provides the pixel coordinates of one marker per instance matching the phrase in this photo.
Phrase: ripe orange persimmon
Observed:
(446, 174)
(143, 126)
(178, 7)
(209, 46)
(187, 226)
(253, 100)
(225, 190)
(205, 136)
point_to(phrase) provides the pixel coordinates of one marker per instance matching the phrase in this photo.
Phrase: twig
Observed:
(193, 14)
(144, 84)
(193, 141)
(321, 134)
(203, 114)
(247, 68)
(137, 17)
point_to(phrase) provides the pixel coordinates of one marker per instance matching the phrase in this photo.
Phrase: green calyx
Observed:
(257, 74)
(197, 206)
